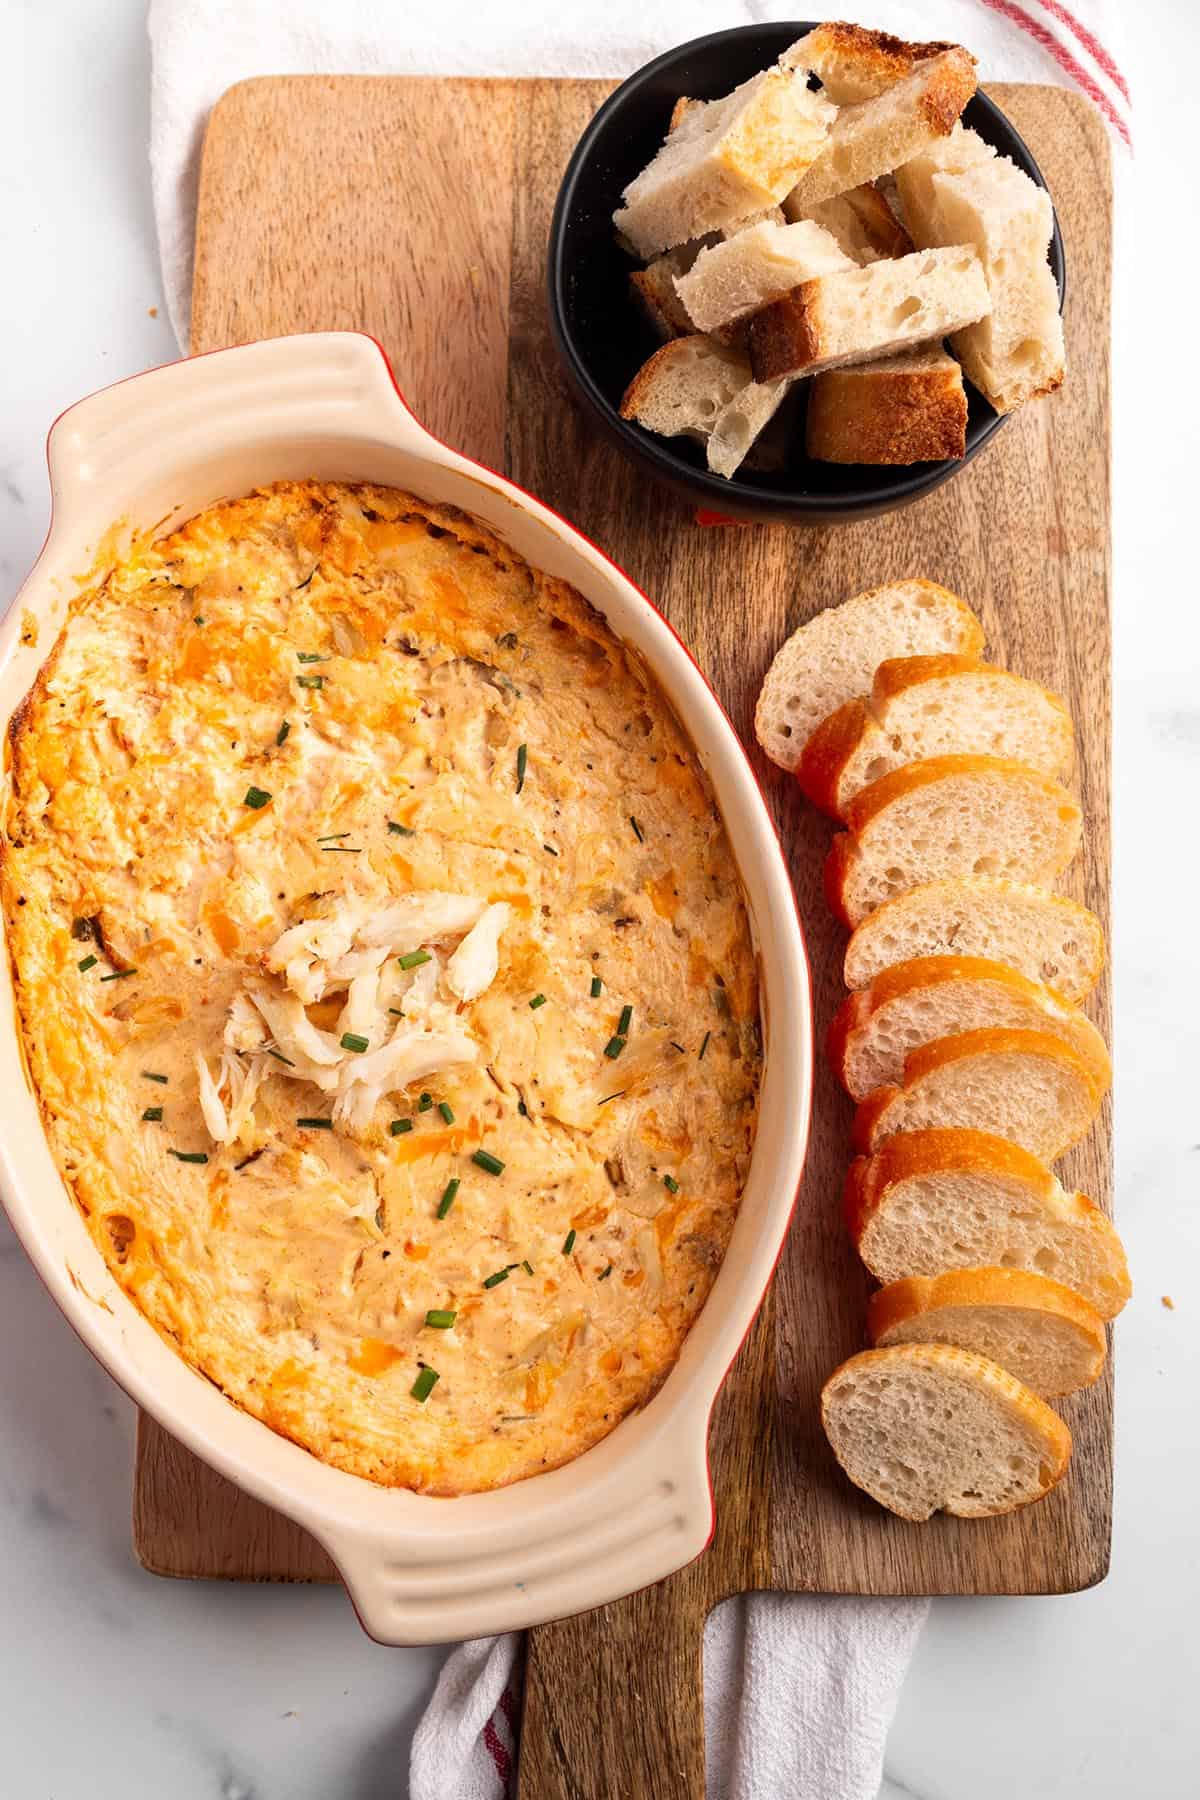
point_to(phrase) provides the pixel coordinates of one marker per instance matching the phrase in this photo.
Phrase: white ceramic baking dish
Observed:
(151, 452)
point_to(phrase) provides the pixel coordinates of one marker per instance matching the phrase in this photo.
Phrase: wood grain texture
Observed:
(348, 201)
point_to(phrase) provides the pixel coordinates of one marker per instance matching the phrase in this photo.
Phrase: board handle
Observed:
(614, 1700)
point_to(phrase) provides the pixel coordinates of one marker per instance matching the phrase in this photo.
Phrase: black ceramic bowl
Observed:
(604, 340)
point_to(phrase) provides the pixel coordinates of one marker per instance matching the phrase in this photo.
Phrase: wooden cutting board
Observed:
(418, 210)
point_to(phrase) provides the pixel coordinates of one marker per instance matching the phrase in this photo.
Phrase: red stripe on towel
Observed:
(1090, 42)
(497, 1752)
(1062, 56)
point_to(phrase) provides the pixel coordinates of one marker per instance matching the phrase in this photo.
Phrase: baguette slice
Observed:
(874, 1030)
(925, 1428)
(1043, 935)
(1017, 353)
(725, 159)
(742, 273)
(1037, 1329)
(832, 657)
(926, 706)
(960, 1199)
(877, 134)
(682, 388)
(861, 221)
(901, 409)
(950, 816)
(854, 63)
(858, 314)
(1027, 1086)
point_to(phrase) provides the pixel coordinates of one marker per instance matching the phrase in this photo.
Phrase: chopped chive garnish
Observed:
(88, 962)
(153, 1115)
(413, 959)
(440, 1320)
(280, 1057)
(400, 1126)
(522, 1109)
(344, 849)
(281, 734)
(256, 797)
(332, 837)
(617, 1096)
(307, 656)
(447, 1111)
(527, 1266)
(198, 620)
(399, 830)
(447, 1199)
(597, 987)
(425, 1383)
(614, 1046)
(678, 1047)
(118, 975)
(424, 1103)
(637, 830)
(315, 1124)
(671, 1184)
(193, 1156)
(397, 1012)
(550, 850)
(310, 681)
(522, 765)
(149, 1075)
(626, 1018)
(484, 1159)
(569, 1242)
(704, 1046)
(495, 1280)
(352, 1041)
(538, 1000)
(605, 1273)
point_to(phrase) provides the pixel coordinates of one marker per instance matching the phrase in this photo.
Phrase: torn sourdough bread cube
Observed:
(907, 408)
(961, 192)
(856, 315)
(854, 63)
(735, 278)
(860, 220)
(726, 159)
(696, 388)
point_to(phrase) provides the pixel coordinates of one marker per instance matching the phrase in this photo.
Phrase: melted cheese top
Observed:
(385, 979)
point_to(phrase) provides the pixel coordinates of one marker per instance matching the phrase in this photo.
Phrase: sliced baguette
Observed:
(744, 272)
(832, 657)
(949, 816)
(856, 315)
(1037, 1329)
(901, 409)
(877, 134)
(925, 706)
(1043, 935)
(925, 1428)
(1017, 352)
(681, 390)
(854, 63)
(961, 1199)
(1027, 1086)
(874, 1030)
(725, 159)
(861, 221)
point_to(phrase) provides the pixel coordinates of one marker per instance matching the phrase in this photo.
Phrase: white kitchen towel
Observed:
(799, 1690)
(201, 47)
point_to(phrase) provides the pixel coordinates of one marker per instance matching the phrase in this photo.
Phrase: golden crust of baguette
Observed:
(871, 1122)
(961, 1365)
(887, 417)
(929, 973)
(901, 1305)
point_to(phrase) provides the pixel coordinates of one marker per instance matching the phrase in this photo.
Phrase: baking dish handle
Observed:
(313, 390)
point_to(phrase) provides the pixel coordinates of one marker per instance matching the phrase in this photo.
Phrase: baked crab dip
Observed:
(385, 980)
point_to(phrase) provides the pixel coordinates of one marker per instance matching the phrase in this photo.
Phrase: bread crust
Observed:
(875, 53)
(936, 1150)
(666, 319)
(866, 806)
(786, 336)
(652, 371)
(964, 1365)
(870, 1127)
(1083, 923)
(887, 417)
(930, 972)
(828, 750)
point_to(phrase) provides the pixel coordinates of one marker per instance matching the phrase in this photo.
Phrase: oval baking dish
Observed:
(146, 455)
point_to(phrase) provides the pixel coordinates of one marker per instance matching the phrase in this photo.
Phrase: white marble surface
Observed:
(118, 1684)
